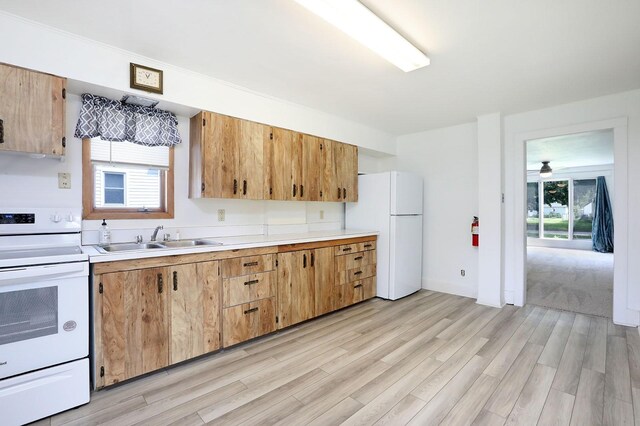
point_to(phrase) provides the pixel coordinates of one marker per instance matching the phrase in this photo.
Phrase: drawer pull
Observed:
(304, 260)
(368, 245)
(358, 258)
(358, 285)
(244, 187)
(248, 311)
(347, 249)
(313, 260)
(160, 283)
(339, 193)
(357, 273)
(175, 280)
(344, 193)
(251, 282)
(235, 186)
(295, 189)
(250, 264)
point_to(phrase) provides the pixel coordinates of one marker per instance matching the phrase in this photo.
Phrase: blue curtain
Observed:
(602, 230)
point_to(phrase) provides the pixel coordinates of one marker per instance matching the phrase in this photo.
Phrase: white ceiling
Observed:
(486, 55)
(576, 150)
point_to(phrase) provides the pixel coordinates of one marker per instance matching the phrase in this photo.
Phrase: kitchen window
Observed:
(124, 180)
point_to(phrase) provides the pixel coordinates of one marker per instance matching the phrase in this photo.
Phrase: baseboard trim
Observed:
(493, 305)
(449, 288)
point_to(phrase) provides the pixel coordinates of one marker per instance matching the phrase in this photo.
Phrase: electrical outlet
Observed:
(462, 272)
(64, 180)
(221, 214)
(321, 214)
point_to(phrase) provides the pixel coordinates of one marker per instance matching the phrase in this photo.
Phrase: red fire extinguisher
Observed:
(475, 230)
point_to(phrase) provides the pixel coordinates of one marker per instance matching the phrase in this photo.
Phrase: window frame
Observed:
(90, 212)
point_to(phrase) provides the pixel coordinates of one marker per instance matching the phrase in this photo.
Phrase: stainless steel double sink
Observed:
(118, 247)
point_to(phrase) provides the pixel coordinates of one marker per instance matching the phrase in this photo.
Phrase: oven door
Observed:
(44, 316)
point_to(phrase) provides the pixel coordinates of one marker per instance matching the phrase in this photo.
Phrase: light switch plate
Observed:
(64, 180)
(221, 215)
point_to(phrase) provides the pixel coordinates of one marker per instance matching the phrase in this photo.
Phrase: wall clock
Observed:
(145, 78)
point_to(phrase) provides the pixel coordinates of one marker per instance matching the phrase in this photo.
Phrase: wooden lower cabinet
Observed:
(249, 320)
(195, 310)
(296, 288)
(135, 324)
(150, 318)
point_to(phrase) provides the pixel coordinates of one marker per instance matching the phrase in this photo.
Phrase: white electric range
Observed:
(44, 314)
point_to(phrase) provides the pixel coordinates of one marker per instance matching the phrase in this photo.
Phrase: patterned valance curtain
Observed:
(116, 121)
(602, 229)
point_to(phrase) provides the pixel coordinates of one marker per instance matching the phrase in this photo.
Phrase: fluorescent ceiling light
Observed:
(360, 23)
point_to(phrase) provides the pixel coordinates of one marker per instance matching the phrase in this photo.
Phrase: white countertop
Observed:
(229, 243)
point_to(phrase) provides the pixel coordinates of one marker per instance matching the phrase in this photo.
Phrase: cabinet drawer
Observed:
(249, 320)
(357, 291)
(247, 265)
(354, 248)
(355, 274)
(355, 260)
(248, 288)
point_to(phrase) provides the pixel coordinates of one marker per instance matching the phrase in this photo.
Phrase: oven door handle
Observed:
(10, 275)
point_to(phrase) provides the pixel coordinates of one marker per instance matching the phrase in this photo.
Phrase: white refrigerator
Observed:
(391, 203)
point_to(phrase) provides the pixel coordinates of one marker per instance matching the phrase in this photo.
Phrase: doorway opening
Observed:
(569, 179)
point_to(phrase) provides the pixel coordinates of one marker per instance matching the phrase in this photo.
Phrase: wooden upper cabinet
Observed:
(347, 167)
(226, 157)
(312, 168)
(32, 111)
(234, 158)
(283, 165)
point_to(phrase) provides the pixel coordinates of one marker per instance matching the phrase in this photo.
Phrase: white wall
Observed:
(30, 182)
(447, 160)
(620, 108)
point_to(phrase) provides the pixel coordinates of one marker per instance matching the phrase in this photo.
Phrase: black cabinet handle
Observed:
(160, 283)
(295, 189)
(358, 285)
(357, 273)
(304, 260)
(175, 280)
(250, 264)
(251, 282)
(302, 190)
(344, 193)
(347, 249)
(368, 245)
(248, 311)
(1, 130)
(235, 186)
(339, 193)
(313, 259)
(358, 258)
(244, 187)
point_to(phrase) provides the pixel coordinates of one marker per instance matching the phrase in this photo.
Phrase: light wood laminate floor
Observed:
(430, 358)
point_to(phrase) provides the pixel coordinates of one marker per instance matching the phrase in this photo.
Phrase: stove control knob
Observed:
(70, 217)
(56, 218)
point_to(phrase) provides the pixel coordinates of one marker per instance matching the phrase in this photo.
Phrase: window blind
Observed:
(129, 153)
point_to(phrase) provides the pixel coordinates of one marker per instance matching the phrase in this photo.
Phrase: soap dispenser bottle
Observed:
(104, 233)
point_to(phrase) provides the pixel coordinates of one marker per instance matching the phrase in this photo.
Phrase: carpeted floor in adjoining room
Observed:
(571, 280)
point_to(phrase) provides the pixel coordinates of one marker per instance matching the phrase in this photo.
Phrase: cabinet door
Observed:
(250, 159)
(296, 293)
(284, 165)
(322, 262)
(219, 150)
(34, 119)
(313, 168)
(195, 310)
(134, 323)
(331, 187)
(348, 171)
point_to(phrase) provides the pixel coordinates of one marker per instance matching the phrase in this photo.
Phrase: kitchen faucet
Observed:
(155, 232)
